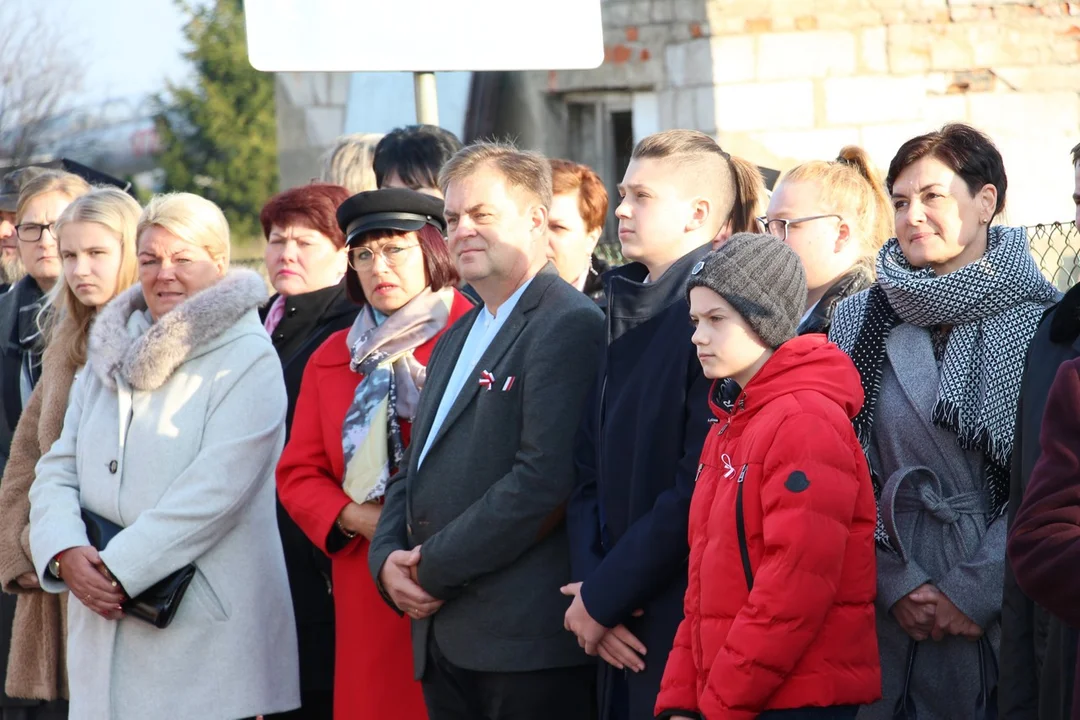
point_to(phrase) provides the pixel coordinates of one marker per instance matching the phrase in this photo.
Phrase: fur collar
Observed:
(145, 357)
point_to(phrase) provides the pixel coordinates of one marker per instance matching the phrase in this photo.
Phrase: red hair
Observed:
(566, 177)
(313, 206)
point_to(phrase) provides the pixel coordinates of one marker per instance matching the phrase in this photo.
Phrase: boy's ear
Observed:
(702, 210)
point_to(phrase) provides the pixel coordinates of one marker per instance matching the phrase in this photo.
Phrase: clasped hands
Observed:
(617, 646)
(91, 583)
(399, 580)
(926, 612)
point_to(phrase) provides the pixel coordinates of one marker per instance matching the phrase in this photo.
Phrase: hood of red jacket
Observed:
(807, 362)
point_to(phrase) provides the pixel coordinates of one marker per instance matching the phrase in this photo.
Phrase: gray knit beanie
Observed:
(762, 278)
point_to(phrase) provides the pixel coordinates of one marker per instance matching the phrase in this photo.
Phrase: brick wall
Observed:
(780, 81)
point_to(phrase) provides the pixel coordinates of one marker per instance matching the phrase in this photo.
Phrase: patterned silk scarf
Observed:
(389, 390)
(993, 306)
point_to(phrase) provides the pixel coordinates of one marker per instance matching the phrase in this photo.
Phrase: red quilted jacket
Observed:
(805, 635)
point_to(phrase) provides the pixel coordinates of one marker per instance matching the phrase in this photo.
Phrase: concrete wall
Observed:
(315, 108)
(311, 111)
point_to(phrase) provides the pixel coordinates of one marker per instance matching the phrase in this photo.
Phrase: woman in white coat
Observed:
(172, 432)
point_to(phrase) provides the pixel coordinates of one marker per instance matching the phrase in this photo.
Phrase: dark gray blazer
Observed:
(488, 504)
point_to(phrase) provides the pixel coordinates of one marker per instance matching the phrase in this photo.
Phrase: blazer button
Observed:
(113, 466)
(292, 310)
(279, 336)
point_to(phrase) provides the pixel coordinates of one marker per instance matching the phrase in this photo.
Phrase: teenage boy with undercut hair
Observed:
(641, 437)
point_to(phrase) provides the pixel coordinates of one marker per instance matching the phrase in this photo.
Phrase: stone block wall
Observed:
(782, 81)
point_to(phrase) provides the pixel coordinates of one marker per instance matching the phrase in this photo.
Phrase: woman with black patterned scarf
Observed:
(940, 341)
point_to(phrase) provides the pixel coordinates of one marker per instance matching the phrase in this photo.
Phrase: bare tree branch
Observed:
(39, 73)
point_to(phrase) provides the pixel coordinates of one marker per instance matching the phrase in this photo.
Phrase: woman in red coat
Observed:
(780, 601)
(352, 425)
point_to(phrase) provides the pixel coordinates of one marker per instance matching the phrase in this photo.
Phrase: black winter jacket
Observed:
(308, 321)
(637, 456)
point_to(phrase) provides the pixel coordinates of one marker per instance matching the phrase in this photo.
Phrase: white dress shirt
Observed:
(483, 331)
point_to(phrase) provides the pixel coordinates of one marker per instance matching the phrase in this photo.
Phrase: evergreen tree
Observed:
(219, 137)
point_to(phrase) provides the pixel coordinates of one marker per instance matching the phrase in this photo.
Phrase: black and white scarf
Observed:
(992, 305)
(31, 300)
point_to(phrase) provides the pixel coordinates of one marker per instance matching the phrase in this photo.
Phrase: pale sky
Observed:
(128, 47)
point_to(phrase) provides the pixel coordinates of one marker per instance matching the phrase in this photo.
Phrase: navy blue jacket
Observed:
(637, 456)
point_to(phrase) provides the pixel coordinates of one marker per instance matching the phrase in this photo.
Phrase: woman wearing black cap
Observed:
(352, 425)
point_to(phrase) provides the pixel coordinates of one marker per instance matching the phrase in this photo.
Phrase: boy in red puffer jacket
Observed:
(780, 603)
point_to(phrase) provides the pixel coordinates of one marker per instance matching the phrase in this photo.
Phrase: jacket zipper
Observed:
(601, 417)
(740, 528)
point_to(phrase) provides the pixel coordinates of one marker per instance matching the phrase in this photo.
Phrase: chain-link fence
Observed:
(1056, 248)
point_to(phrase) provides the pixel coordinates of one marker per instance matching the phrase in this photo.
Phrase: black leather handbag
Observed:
(158, 603)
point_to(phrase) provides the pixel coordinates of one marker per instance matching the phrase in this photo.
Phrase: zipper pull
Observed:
(742, 474)
(723, 429)
(700, 467)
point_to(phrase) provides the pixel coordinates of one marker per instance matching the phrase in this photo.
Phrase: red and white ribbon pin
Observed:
(486, 379)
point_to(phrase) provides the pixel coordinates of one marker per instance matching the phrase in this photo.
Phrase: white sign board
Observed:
(423, 35)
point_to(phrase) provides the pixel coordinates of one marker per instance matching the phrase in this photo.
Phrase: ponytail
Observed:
(749, 196)
(852, 188)
(883, 227)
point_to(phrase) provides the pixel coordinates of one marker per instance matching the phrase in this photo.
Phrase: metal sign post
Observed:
(427, 98)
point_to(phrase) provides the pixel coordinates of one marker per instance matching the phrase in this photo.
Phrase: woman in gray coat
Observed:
(939, 341)
(172, 432)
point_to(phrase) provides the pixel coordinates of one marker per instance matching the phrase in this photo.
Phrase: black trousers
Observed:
(837, 712)
(313, 706)
(52, 710)
(452, 693)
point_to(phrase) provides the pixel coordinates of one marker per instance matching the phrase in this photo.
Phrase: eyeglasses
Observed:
(363, 258)
(31, 232)
(779, 227)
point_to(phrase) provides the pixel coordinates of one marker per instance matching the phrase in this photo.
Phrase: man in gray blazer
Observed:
(471, 542)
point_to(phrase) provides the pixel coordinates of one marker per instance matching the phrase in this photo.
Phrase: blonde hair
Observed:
(523, 169)
(851, 188)
(701, 162)
(350, 163)
(191, 218)
(66, 320)
(50, 181)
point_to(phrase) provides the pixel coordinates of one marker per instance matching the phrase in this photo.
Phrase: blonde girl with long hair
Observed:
(835, 216)
(96, 238)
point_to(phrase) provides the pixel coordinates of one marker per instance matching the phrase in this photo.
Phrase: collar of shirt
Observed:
(506, 308)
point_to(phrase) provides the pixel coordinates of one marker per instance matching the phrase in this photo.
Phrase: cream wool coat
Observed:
(173, 431)
(36, 666)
